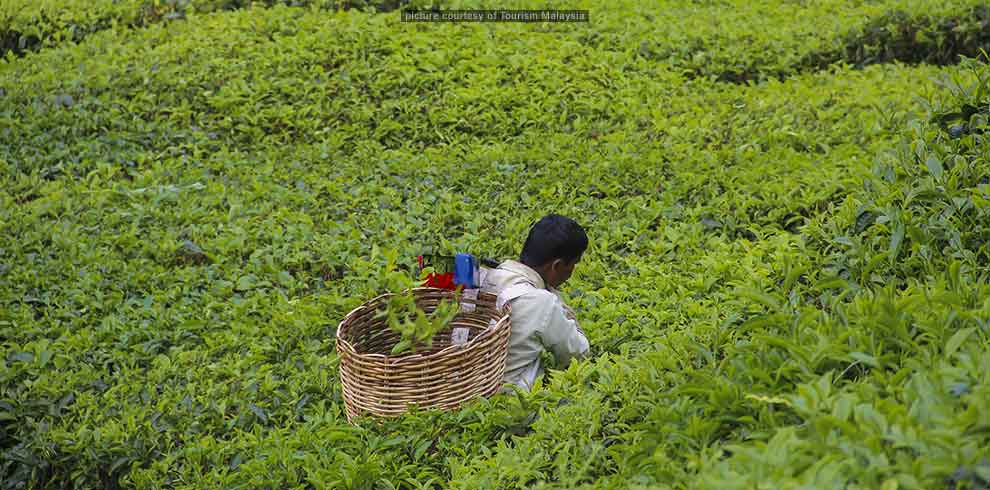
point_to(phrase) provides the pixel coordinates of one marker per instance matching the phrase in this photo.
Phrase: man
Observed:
(540, 319)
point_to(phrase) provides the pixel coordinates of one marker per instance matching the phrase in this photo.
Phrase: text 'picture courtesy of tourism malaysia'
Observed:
(454, 244)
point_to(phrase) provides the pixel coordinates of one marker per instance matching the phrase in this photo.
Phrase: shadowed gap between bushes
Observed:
(895, 36)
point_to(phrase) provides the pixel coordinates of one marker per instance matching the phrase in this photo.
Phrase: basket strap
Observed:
(512, 292)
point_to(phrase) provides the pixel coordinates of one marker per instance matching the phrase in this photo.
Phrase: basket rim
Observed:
(413, 357)
(416, 358)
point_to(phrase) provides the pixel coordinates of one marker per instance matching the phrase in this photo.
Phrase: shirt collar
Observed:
(524, 270)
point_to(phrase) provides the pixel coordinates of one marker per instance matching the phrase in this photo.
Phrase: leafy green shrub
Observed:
(26, 25)
(921, 38)
(926, 203)
(747, 41)
(914, 322)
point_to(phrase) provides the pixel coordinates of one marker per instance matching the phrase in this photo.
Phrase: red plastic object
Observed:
(442, 281)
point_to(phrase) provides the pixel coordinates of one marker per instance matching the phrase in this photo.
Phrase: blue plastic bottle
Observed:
(465, 270)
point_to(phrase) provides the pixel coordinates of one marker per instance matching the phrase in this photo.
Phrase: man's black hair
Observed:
(554, 237)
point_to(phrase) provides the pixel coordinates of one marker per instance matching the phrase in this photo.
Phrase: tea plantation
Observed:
(788, 204)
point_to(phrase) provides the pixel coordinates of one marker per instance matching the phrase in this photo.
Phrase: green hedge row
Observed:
(27, 25)
(924, 37)
(907, 256)
(731, 41)
(744, 42)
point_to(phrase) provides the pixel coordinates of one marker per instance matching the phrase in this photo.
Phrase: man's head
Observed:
(554, 245)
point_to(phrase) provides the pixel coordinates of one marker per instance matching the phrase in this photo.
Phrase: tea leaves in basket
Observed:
(405, 316)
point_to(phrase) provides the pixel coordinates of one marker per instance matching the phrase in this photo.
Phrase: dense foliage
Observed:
(30, 24)
(786, 284)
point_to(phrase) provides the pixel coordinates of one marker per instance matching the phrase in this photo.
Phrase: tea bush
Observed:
(27, 25)
(786, 283)
(741, 41)
(30, 24)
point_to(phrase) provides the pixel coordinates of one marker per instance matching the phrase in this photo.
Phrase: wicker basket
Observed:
(444, 376)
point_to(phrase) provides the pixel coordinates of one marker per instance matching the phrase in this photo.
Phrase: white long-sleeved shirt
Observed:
(540, 320)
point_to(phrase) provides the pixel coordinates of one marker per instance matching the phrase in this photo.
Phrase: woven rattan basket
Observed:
(444, 376)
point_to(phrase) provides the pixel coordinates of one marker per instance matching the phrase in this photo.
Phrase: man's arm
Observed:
(568, 312)
(562, 335)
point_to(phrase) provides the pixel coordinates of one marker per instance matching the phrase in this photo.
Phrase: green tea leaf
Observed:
(896, 239)
(402, 346)
(957, 340)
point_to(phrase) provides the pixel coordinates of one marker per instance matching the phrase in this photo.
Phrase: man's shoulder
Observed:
(539, 296)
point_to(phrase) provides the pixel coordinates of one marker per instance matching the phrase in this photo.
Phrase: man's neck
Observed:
(542, 271)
